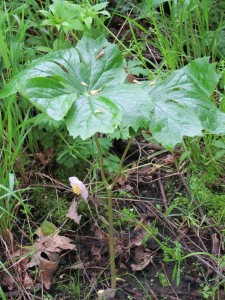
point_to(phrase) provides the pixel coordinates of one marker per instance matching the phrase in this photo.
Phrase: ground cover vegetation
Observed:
(112, 149)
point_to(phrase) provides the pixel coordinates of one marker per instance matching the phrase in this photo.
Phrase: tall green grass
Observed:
(180, 30)
(16, 118)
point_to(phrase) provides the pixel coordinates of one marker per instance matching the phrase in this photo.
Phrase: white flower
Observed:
(78, 187)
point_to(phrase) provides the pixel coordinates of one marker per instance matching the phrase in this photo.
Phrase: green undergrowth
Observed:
(49, 205)
(207, 188)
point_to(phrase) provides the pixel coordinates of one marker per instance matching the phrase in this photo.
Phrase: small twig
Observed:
(163, 267)
(193, 280)
(152, 293)
(162, 191)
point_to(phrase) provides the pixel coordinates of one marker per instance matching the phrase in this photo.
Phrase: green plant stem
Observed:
(109, 188)
(111, 239)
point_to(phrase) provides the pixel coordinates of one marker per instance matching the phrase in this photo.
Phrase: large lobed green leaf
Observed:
(86, 87)
(183, 105)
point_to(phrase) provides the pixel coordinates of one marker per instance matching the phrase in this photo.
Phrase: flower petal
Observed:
(76, 184)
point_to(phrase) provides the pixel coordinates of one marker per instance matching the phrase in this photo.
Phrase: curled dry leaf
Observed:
(19, 260)
(143, 257)
(72, 213)
(106, 294)
(78, 187)
(46, 255)
(48, 268)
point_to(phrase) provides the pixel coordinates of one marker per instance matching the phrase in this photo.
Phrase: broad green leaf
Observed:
(182, 104)
(91, 114)
(134, 104)
(62, 85)
(102, 63)
(45, 93)
(84, 86)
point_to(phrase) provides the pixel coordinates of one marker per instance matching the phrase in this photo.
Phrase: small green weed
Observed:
(127, 218)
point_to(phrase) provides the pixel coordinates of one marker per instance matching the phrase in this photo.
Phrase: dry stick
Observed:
(152, 293)
(163, 267)
(162, 191)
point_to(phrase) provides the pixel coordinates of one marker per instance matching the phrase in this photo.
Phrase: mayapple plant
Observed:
(86, 88)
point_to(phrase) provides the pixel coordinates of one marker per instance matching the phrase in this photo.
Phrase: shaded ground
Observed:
(150, 244)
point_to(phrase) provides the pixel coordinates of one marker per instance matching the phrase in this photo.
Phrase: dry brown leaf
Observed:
(99, 234)
(48, 268)
(143, 264)
(143, 256)
(137, 240)
(106, 294)
(72, 213)
(96, 252)
(50, 244)
(55, 243)
(6, 281)
(20, 275)
(27, 281)
(46, 254)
